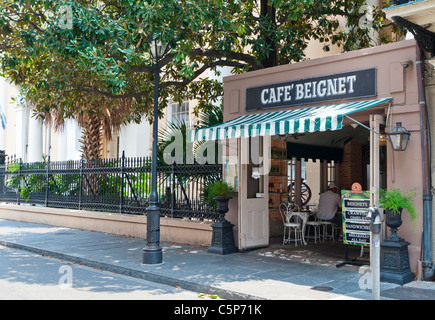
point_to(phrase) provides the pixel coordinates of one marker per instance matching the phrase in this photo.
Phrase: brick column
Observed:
(351, 166)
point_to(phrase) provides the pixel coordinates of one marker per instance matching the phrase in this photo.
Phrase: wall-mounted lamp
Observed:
(399, 137)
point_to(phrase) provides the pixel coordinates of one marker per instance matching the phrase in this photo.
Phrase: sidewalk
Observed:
(256, 274)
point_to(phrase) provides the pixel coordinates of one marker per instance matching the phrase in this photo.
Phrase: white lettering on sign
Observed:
(279, 94)
(339, 86)
(313, 89)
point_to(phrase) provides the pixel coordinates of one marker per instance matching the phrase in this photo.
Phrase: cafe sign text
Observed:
(355, 84)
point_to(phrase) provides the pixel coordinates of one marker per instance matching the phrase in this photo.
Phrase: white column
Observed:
(134, 139)
(34, 149)
(68, 143)
(3, 105)
(21, 125)
(62, 145)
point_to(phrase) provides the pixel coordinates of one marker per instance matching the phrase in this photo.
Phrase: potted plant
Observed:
(394, 201)
(220, 192)
(394, 264)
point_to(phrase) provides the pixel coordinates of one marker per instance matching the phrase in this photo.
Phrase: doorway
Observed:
(254, 159)
(316, 159)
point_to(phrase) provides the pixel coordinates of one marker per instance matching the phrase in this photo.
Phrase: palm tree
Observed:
(176, 133)
(175, 136)
(96, 121)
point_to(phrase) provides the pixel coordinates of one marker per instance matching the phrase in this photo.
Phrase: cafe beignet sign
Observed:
(348, 85)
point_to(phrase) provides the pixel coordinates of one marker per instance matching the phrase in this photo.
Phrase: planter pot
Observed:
(222, 238)
(393, 221)
(222, 206)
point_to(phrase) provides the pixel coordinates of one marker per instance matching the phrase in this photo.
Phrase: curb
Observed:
(134, 273)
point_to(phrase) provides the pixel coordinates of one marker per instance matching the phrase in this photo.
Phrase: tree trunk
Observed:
(268, 13)
(91, 141)
(92, 138)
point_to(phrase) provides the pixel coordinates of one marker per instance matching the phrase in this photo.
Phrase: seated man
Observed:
(329, 205)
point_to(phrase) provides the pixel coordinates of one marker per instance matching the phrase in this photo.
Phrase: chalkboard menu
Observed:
(356, 225)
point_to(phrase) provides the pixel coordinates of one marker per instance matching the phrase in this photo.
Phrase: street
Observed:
(26, 276)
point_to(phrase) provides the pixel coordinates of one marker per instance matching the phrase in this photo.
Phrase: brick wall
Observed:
(351, 166)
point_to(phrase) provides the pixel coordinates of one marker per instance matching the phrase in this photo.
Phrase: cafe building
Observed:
(290, 131)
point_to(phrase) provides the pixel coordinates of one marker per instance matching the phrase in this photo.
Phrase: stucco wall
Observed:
(403, 168)
(171, 230)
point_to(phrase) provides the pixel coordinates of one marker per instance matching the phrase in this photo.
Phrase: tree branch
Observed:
(165, 84)
(201, 70)
(211, 53)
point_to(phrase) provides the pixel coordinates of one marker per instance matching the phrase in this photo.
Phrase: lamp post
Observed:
(152, 253)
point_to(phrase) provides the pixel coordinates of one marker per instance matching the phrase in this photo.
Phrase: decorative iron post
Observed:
(152, 253)
(121, 200)
(81, 183)
(47, 177)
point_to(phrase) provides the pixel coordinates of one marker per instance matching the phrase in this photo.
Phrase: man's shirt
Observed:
(329, 202)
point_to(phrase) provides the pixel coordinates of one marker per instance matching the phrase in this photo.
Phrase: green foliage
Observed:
(103, 60)
(395, 199)
(210, 117)
(69, 184)
(207, 295)
(33, 183)
(219, 189)
(172, 143)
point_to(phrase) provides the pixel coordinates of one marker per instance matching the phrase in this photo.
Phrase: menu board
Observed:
(356, 224)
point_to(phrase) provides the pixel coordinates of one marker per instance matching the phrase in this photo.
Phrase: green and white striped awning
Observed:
(321, 118)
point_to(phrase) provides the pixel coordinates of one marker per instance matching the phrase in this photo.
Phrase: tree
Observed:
(89, 57)
(47, 82)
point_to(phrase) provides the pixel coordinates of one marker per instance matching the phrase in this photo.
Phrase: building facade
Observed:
(292, 111)
(418, 17)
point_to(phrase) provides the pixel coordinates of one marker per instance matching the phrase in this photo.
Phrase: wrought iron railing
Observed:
(114, 185)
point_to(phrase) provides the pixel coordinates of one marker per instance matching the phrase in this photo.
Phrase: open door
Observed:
(254, 159)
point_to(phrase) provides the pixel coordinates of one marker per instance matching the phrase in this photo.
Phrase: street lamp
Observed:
(152, 253)
(399, 137)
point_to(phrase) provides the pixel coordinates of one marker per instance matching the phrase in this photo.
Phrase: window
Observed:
(179, 113)
(256, 158)
(291, 170)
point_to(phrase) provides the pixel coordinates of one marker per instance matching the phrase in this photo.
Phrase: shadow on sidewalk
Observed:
(327, 253)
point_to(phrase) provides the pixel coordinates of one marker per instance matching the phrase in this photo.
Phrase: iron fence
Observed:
(114, 185)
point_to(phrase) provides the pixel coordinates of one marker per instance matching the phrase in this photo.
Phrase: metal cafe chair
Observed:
(316, 225)
(334, 228)
(293, 221)
(326, 226)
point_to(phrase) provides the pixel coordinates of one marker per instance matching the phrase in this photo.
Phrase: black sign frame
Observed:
(340, 86)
